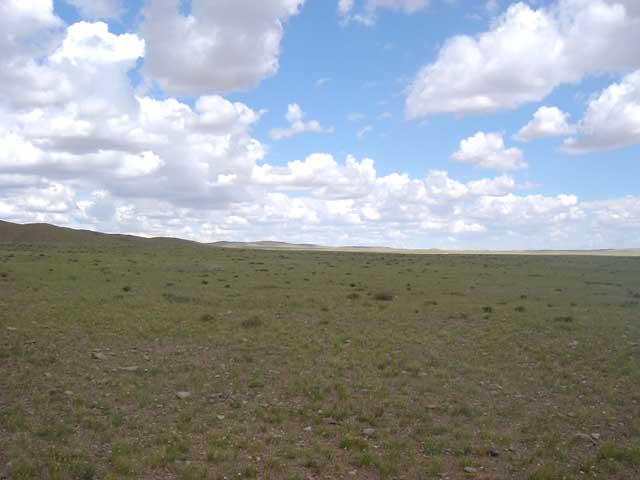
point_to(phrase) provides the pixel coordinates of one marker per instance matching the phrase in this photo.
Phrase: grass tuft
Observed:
(252, 322)
(383, 296)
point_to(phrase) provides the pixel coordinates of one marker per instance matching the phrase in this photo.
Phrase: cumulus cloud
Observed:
(612, 119)
(92, 42)
(22, 19)
(219, 47)
(525, 55)
(488, 151)
(295, 117)
(546, 122)
(101, 135)
(366, 12)
(28, 30)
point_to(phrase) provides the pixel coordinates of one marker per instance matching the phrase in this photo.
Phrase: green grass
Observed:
(290, 356)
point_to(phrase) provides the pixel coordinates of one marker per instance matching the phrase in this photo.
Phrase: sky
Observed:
(456, 124)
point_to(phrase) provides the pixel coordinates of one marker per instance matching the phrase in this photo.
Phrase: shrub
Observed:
(252, 322)
(383, 296)
(609, 451)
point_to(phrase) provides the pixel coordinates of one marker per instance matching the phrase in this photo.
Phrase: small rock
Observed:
(493, 452)
(432, 407)
(308, 429)
(330, 421)
(220, 417)
(68, 393)
(369, 432)
(470, 470)
(12, 329)
(98, 356)
(595, 436)
(130, 369)
(583, 436)
(183, 395)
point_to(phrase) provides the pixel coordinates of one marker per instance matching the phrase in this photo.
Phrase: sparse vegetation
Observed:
(389, 366)
(252, 322)
(383, 296)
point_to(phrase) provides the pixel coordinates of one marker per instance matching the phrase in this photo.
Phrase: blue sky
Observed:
(425, 98)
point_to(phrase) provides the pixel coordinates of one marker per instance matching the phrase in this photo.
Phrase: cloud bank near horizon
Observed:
(83, 144)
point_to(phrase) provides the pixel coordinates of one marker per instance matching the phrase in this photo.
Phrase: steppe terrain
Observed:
(135, 358)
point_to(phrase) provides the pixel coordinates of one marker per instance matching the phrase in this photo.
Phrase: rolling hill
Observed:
(46, 234)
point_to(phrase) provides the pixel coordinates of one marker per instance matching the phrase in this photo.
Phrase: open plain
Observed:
(131, 358)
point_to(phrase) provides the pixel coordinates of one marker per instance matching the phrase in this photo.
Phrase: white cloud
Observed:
(139, 165)
(28, 30)
(297, 125)
(362, 132)
(525, 55)
(21, 19)
(99, 135)
(534, 216)
(46, 201)
(367, 13)
(345, 6)
(221, 46)
(488, 151)
(620, 215)
(98, 9)
(94, 43)
(322, 82)
(493, 187)
(492, 5)
(546, 122)
(612, 119)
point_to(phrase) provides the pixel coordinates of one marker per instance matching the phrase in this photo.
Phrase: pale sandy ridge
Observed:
(270, 245)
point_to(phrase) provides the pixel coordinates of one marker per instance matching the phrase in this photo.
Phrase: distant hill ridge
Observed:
(265, 244)
(46, 234)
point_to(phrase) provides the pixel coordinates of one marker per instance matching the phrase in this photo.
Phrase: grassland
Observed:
(163, 360)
